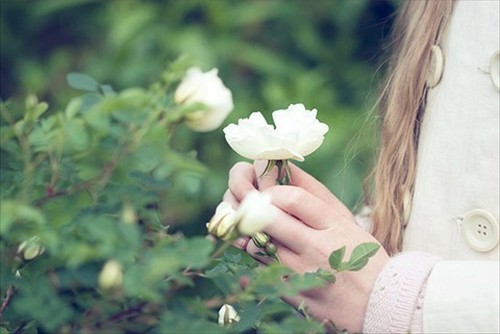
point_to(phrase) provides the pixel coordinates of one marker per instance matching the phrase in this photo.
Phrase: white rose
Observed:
(222, 223)
(205, 88)
(254, 213)
(228, 315)
(297, 134)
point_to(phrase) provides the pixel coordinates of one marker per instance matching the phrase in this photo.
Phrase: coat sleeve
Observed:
(395, 304)
(417, 292)
(462, 296)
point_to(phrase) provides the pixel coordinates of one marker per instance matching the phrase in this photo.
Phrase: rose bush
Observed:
(86, 239)
(205, 91)
(297, 133)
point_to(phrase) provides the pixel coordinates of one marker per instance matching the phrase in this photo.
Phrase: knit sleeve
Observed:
(395, 304)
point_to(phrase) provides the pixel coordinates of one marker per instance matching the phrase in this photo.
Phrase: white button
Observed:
(495, 69)
(435, 67)
(480, 230)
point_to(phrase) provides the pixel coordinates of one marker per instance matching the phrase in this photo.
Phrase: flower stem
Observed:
(219, 251)
(284, 173)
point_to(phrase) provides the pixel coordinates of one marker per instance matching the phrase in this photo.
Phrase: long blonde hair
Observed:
(419, 25)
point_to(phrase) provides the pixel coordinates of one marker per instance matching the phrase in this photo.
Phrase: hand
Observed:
(311, 223)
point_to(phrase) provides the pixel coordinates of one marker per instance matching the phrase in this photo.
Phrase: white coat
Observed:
(455, 207)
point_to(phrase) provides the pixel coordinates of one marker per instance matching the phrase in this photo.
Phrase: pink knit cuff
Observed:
(396, 299)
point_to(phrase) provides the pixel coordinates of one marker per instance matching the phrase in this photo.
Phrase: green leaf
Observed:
(336, 257)
(38, 300)
(360, 256)
(34, 112)
(249, 313)
(13, 211)
(73, 108)
(325, 275)
(107, 90)
(76, 135)
(177, 321)
(82, 82)
(195, 251)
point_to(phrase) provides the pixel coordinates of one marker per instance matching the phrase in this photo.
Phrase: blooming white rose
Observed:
(223, 222)
(254, 213)
(208, 89)
(228, 315)
(297, 134)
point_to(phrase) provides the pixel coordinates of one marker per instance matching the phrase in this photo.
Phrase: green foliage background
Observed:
(270, 54)
(324, 54)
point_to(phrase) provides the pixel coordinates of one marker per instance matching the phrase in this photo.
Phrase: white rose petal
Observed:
(254, 213)
(208, 89)
(301, 124)
(228, 315)
(297, 134)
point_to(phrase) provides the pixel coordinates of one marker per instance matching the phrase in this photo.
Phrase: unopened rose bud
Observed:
(270, 249)
(260, 239)
(228, 315)
(244, 281)
(111, 275)
(128, 215)
(222, 224)
(31, 248)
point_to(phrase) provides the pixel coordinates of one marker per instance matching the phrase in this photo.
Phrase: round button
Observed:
(435, 67)
(480, 230)
(495, 69)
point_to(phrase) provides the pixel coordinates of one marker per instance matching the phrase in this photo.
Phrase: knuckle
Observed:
(295, 197)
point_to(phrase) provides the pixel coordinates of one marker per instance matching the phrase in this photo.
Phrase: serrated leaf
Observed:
(325, 275)
(107, 90)
(360, 256)
(335, 258)
(36, 111)
(73, 108)
(12, 211)
(82, 82)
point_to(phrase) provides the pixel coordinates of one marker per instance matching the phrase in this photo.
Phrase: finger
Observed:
(242, 180)
(306, 181)
(306, 207)
(288, 231)
(241, 243)
(231, 199)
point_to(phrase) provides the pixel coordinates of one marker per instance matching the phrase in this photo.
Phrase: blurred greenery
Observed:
(269, 53)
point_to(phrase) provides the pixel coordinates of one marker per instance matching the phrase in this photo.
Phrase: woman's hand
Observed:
(311, 223)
